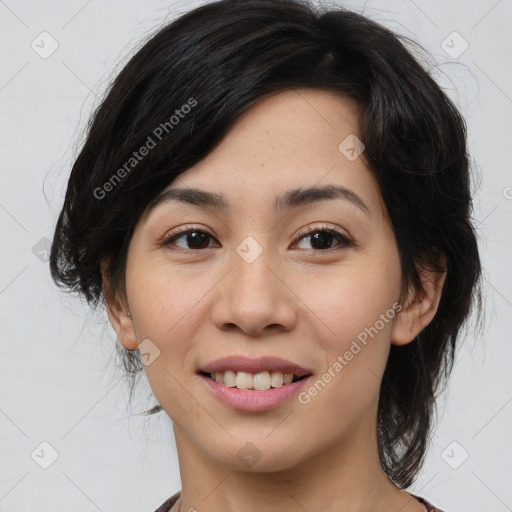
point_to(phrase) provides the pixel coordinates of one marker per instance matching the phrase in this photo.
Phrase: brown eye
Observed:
(194, 239)
(321, 238)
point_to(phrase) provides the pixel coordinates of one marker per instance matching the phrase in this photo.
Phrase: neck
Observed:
(347, 477)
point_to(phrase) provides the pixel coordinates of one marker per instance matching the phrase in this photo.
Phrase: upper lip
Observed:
(261, 364)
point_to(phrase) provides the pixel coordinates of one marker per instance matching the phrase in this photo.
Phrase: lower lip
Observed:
(253, 400)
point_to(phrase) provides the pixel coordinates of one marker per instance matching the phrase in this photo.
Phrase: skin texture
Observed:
(294, 301)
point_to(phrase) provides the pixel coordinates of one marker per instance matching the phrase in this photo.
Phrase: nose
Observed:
(255, 297)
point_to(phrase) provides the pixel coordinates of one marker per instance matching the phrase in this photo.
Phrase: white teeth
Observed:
(229, 379)
(259, 381)
(277, 379)
(243, 380)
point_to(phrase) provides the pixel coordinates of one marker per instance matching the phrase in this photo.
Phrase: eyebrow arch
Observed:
(290, 199)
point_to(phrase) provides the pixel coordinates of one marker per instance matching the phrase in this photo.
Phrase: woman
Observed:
(273, 204)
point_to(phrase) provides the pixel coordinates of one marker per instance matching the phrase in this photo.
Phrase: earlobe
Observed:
(419, 308)
(118, 314)
(122, 323)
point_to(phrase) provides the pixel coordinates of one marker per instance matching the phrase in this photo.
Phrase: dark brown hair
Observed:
(226, 56)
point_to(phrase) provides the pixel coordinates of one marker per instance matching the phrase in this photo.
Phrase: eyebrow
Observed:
(290, 199)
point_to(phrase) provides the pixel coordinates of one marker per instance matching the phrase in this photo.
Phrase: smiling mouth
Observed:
(260, 381)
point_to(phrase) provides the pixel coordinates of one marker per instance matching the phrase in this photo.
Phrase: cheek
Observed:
(357, 306)
(165, 309)
(168, 309)
(353, 298)
(160, 297)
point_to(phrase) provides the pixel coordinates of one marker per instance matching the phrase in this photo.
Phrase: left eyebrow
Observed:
(301, 196)
(290, 199)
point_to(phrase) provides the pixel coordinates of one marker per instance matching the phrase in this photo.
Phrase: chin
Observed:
(258, 455)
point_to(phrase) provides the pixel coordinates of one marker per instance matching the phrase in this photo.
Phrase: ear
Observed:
(420, 306)
(118, 312)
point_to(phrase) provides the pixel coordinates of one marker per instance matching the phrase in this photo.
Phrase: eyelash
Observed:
(344, 242)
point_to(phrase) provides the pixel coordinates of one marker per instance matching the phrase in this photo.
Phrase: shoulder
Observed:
(428, 505)
(165, 507)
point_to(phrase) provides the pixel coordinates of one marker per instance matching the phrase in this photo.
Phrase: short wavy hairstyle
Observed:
(229, 54)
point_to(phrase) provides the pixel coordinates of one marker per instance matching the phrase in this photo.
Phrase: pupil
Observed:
(326, 238)
(197, 239)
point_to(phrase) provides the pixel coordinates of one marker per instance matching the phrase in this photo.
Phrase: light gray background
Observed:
(58, 384)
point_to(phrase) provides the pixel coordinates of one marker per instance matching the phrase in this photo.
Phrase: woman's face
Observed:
(249, 282)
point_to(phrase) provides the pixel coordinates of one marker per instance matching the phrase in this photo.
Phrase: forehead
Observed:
(289, 140)
(293, 124)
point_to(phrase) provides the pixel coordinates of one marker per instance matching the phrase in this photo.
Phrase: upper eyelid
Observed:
(323, 227)
(302, 233)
